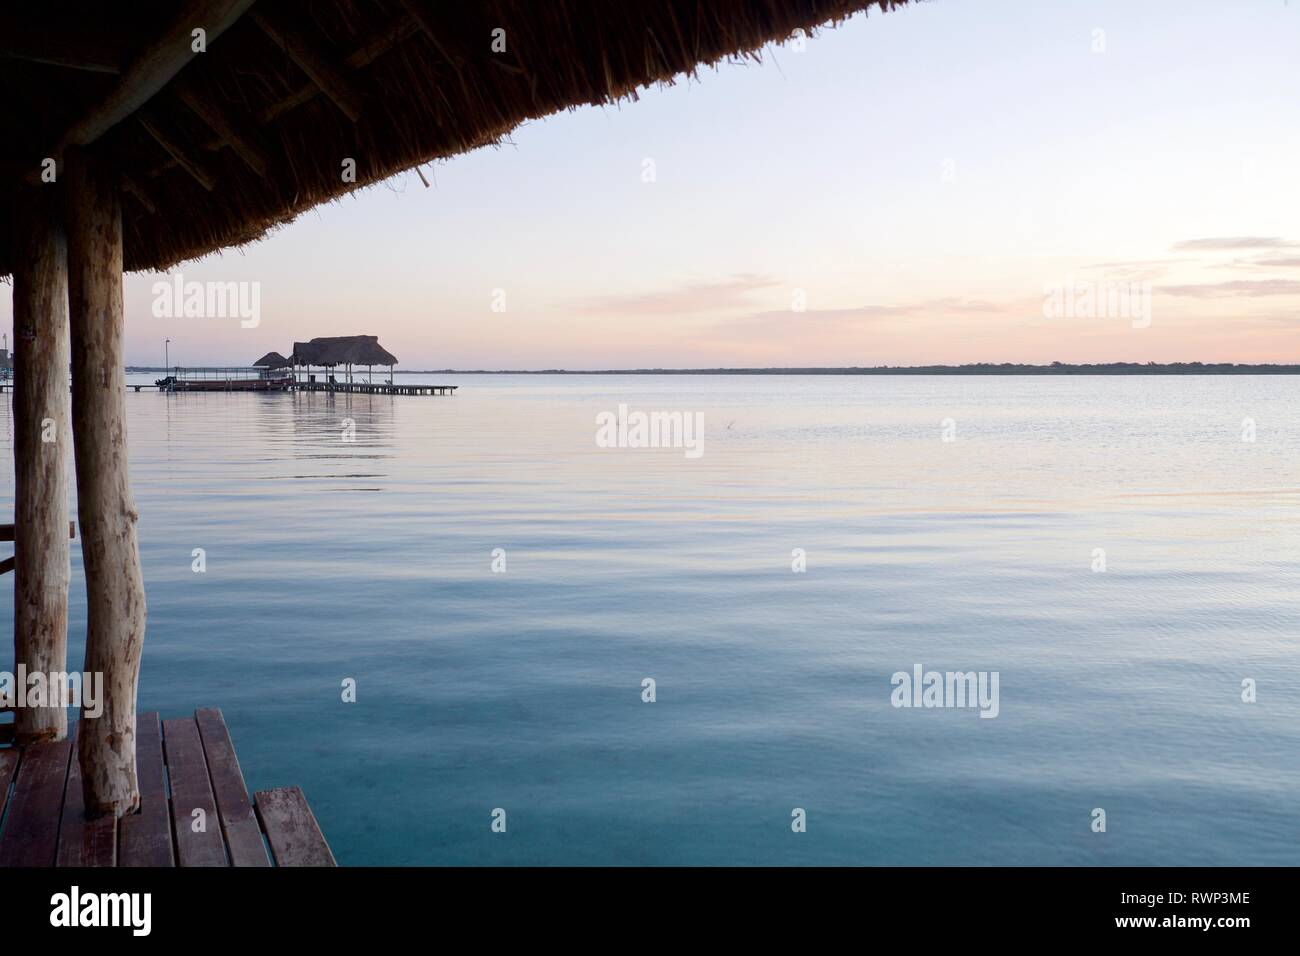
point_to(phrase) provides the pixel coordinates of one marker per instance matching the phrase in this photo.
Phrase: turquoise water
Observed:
(372, 559)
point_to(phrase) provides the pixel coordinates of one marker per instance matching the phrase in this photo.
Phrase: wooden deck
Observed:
(185, 765)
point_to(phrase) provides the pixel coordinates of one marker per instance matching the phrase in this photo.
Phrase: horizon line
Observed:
(971, 368)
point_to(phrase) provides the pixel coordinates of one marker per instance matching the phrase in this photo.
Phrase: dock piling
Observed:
(115, 600)
(42, 453)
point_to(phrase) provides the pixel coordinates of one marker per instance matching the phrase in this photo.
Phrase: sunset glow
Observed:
(900, 178)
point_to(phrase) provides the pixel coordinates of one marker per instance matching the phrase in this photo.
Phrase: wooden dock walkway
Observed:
(364, 388)
(355, 388)
(188, 772)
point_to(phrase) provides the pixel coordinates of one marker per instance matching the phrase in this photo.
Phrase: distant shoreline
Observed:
(1057, 368)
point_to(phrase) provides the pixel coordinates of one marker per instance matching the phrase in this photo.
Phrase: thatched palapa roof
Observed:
(342, 350)
(216, 147)
(272, 360)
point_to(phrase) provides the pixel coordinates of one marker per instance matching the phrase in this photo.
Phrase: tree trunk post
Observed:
(42, 447)
(115, 606)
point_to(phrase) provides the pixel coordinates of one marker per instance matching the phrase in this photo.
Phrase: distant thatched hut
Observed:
(131, 145)
(272, 360)
(342, 351)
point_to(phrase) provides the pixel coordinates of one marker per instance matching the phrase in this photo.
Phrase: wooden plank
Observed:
(191, 790)
(145, 838)
(7, 531)
(291, 828)
(243, 835)
(7, 534)
(83, 842)
(31, 833)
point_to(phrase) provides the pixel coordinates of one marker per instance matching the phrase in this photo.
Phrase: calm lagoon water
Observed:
(372, 559)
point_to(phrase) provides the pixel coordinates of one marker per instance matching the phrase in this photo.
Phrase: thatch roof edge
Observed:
(425, 89)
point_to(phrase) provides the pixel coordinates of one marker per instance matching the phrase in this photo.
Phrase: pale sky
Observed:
(921, 179)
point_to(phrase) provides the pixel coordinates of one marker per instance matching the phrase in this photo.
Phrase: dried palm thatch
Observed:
(272, 360)
(263, 124)
(342, 350)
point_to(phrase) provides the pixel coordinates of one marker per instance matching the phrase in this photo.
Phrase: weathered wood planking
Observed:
(83, 842)
(44, 822)
(31, 834)
(291, 828)
(145, 838)
(243, 835)
(191, 790)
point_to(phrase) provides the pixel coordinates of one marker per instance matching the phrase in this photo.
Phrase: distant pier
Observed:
(366, 388)
(238, 385)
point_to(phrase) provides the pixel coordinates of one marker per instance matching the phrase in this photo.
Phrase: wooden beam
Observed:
(135, 189)
(155, 67)
(372, 49)
(74, 51)
(313, 60)
(7, 530)
(381, 42)
(367, 53)
(42, 452)
(115, 602)
(174, 150)
(422, 17)
(223, 125)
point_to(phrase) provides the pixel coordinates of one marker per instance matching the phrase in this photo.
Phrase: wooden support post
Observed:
(115, 606)
(42, 453)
